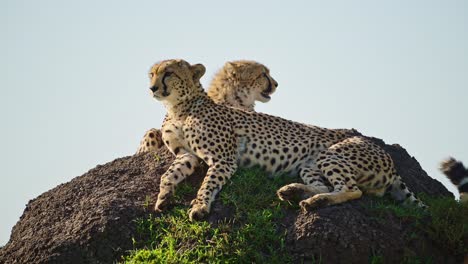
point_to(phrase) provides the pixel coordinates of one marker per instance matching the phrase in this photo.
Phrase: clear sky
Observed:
(74, 88)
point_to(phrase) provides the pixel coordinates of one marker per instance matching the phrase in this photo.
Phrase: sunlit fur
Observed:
(241, 83)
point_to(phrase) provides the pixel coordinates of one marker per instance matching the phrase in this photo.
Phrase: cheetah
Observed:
(238, 84)
(225, 138)
(458, 175)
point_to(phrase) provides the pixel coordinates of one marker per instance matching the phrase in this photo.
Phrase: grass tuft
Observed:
(252, 235)
(448, 224)
(445, 221)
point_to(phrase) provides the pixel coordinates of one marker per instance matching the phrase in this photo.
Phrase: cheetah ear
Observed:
(230, 69)
(197, 70)
(182, 63)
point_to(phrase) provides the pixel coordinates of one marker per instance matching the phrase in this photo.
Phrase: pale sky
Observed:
(74, 85)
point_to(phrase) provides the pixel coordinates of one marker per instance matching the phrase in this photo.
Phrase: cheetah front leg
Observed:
(218, 174)
(184, 165)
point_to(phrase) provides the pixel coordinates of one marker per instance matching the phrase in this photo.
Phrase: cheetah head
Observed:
(254, 79)
(174, 81)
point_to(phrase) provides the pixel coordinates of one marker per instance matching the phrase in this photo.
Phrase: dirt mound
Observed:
(91, 218)
(351, 233)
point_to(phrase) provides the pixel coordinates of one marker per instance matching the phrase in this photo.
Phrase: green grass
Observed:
(252, 235)
(376, 259)
(448, 224)
(445, 222)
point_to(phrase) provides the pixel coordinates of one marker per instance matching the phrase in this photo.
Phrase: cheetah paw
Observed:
(198, 211)
(291, 192)
(161, 203)
(160, 206)
(313, 203)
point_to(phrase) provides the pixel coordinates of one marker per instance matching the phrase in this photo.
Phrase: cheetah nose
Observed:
(275, 84)
(154, 88)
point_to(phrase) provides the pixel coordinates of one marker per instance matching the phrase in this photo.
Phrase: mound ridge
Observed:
(91, 219)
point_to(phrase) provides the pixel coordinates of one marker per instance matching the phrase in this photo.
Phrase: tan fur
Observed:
(240, 83)
(151, 141)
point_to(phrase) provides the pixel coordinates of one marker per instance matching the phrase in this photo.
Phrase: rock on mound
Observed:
(91, 218)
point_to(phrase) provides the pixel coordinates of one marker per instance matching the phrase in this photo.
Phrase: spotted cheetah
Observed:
(238, 84)
(458, 175)
(225, 138)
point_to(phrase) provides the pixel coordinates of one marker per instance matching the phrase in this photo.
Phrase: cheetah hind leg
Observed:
(151, 141)
(325, 199)
(344, 189)
(298, 191)
(377, 192)
(315, 183)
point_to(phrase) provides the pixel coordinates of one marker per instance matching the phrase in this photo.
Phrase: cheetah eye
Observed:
(165, 76)
(168, 74)
(151, 75)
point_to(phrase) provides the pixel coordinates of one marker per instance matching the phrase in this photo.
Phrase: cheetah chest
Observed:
(172, 135)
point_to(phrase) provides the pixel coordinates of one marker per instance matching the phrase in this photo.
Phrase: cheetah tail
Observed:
(454, 170)
(458, 175)
(400, 192)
